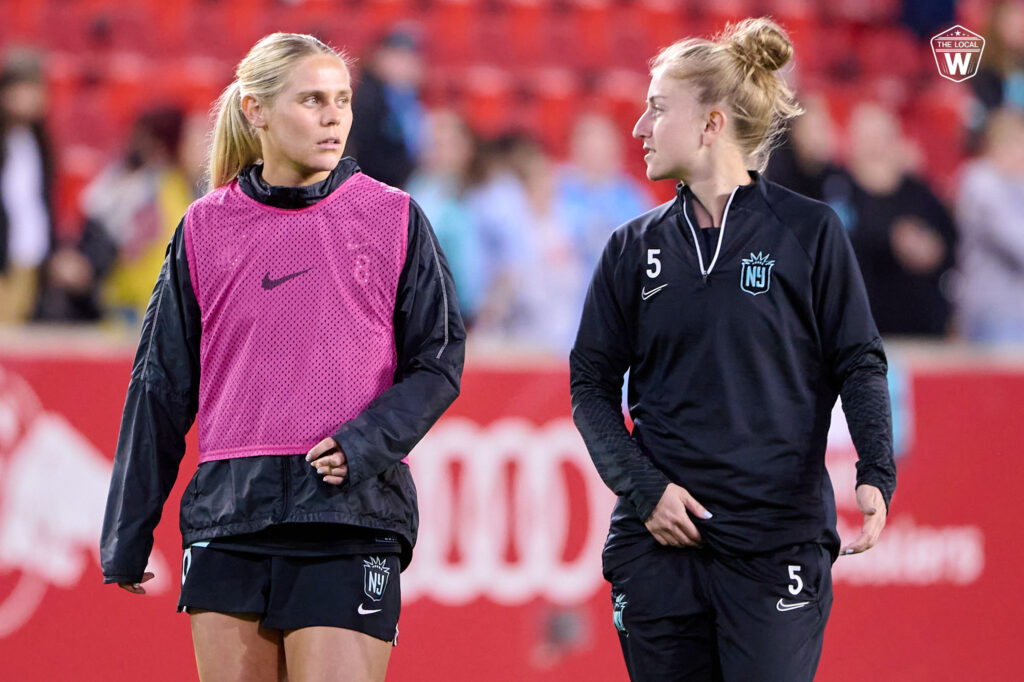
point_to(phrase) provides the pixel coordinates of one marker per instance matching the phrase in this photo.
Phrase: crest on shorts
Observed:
(619, 605)
(957, 53)
(375, 578)
(756, 274)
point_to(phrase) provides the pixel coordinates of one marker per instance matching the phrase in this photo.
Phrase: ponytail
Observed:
(235, 144)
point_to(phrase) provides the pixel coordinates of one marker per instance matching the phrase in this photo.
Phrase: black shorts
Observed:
(359, 592)
(693, 614)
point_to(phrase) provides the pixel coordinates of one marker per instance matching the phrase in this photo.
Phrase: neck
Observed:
(285, 176)
(714, 187)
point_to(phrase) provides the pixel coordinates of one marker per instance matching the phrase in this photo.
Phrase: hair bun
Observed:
(759, 43)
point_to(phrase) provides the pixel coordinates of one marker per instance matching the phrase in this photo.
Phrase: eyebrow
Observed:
(307, 93)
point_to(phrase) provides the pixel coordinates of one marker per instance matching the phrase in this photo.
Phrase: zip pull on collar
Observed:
(696, 244)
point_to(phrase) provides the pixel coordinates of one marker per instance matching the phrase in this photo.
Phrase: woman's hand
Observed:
(137, 588)
(329, 461)
(670, 522)
(872, 506)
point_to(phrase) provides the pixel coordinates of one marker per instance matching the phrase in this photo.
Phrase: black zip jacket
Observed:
(238, 496)
(736, 355)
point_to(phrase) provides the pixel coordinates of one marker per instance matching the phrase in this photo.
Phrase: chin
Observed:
(654, 174)
(327, 161)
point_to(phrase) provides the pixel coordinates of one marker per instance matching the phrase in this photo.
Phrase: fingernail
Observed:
(872, 509)
(847, 551)
(707, 514)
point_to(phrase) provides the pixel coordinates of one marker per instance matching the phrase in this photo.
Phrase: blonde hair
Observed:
(263, 74)
(738, 68)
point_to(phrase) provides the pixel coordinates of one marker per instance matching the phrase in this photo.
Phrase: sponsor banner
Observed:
(506, 579)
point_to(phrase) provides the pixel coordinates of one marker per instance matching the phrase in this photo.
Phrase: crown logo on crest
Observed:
(760, 259)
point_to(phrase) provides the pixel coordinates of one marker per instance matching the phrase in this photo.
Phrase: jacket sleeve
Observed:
(431, 343)
(854, 356)
(597, 363)
(159, 410)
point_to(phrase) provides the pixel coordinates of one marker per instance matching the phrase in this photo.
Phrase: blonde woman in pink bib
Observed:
(306, 321)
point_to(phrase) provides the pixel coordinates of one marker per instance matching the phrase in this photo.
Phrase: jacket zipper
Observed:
(696, 244)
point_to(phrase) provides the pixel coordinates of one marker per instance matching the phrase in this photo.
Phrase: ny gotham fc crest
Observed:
(756, 274)
(375, 578)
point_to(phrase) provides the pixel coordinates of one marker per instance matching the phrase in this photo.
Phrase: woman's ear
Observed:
(714, 124)
(253, 110)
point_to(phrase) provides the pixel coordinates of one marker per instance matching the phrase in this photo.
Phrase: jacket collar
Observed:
(250, 181)
(744, 193)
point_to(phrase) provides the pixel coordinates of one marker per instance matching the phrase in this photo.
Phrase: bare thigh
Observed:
(234, 648)
(317, 654)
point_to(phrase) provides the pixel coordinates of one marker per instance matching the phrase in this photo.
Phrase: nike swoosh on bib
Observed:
(783, 606)
(269, 284)
(363, 612)
(644, 294)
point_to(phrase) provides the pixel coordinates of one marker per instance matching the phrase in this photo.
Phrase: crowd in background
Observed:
(523, 230)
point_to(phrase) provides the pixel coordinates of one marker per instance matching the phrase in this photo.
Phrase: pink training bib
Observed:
(297, 313)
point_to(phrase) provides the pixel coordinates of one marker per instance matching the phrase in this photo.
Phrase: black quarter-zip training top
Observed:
(736, 354)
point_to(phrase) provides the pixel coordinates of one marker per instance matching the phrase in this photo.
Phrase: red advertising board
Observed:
(505, 583)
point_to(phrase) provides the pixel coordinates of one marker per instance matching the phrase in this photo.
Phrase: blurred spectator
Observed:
(194, 150)
(1000, 79)
(595, 193)
(805, 161)
(130, 211)
(535, 281)
(26, 185)
(990, 215)
(439, 186)
(902, 234)
(388, 117)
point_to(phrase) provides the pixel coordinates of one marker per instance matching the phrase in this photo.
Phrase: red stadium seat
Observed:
(526, 25)
(556, 95)
(936, 119)
(589, 44)
(487, 99)
(453, 29)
